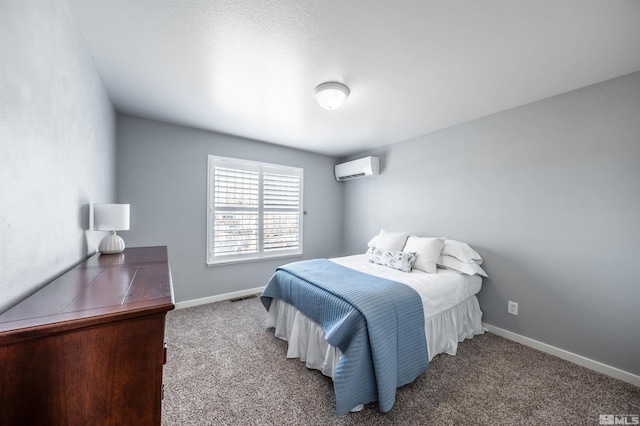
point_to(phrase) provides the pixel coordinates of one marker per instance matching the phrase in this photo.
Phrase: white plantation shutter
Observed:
(281, 216)
(235, 221)
(255, 210)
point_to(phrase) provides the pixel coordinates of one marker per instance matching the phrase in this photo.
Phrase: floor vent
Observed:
(237, 299)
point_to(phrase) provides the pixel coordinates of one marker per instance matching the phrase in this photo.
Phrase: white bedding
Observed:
(452, 314)
(439, 292)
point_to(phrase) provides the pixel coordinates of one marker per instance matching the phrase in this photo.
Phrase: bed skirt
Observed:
(307, 342)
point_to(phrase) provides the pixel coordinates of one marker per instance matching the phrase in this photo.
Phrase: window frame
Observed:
(261, 167)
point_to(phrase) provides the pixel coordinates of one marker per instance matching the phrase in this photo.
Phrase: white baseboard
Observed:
(566, 355)
(219, 297)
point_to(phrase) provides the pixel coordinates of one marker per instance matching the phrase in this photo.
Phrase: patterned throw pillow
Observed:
(402, 261)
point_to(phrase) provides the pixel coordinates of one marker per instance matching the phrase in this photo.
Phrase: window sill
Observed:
(251, 259)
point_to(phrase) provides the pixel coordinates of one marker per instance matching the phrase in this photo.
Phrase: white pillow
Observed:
(399, 260)
(461, 251)
(389, 240)
(454, 264)
(428, 251)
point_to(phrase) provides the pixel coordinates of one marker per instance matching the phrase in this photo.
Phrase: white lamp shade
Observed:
(111, 217)
(331, 95)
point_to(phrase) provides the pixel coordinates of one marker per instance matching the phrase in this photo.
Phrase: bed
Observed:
(448, 313)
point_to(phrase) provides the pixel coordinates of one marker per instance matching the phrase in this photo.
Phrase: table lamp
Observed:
(112, 218)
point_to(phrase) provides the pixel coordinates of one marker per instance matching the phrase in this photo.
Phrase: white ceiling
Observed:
(249, 68)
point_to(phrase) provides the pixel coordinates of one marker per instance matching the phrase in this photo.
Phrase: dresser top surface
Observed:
(104, 287)
(130, 256)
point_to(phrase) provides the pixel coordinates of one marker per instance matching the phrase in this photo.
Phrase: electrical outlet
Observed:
(512, 308)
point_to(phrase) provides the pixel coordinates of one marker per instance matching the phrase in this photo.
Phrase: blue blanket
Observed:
(377, 324)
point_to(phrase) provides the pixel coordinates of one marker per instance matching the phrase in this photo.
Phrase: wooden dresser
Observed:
(88, 348)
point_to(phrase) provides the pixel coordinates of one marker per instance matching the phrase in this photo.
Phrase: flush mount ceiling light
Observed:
(331, 95)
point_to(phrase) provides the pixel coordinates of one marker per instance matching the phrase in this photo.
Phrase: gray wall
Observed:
(57, 146)
(162, 172)
(549, 194)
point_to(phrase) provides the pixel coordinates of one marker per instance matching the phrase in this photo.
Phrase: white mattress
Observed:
(452, 314)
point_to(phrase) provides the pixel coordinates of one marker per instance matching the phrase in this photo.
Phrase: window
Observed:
(254, 210)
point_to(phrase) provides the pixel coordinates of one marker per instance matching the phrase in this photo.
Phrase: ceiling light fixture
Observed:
(331, 95)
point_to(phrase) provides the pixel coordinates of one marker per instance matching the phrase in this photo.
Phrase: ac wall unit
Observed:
(367, 166)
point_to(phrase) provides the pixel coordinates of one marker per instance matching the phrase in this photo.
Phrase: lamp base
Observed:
(111, 244)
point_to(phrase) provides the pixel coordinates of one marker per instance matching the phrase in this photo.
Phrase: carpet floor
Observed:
(225, 368)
